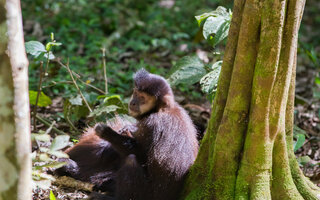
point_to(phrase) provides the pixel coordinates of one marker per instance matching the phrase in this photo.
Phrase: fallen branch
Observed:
(69, 182)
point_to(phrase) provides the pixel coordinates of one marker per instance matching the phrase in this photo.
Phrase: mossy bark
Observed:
(247, 152)
(15, 144)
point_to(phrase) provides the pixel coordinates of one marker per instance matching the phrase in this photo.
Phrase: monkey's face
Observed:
(141, 103)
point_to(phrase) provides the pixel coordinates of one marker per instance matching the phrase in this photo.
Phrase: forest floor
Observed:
(307, 114)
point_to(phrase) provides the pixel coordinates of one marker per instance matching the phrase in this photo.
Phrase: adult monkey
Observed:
(163, 146)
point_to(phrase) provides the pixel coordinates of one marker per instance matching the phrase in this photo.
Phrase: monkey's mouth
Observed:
(133, 112)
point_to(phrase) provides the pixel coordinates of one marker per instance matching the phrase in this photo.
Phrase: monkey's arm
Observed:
(123, 144)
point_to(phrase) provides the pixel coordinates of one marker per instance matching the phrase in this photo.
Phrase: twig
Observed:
(71, 124)
(38, 95)
(79, 78)
(68, 119)
(75, 74)
(50, 128)
(47, 64)
(56, 83)
(75, 83)
(102, 92)
(104, 69)
(49, 125)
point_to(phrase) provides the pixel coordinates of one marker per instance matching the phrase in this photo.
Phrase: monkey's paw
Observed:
(102, 129)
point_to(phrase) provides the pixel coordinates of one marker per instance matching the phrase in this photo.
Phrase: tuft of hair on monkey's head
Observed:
(154, 85)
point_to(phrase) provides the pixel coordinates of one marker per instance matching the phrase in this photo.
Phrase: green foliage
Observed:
(120, 26)
(300, 136)
(303, 160)
(43, 100)
(135, 34)
(35, 48)
(59, 142)
(43, 159)
(300, 141)
(103, 110)
(188, 69)
(52, 197)
(209, 82)
(38, 50)
(112, 106)
(76, 101)
(215, 25)
(74, 111)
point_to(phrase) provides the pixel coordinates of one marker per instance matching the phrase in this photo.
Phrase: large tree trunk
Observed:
(247, 152)
(15, 147)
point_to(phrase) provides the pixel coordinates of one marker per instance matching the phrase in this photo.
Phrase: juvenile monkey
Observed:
(162, 149)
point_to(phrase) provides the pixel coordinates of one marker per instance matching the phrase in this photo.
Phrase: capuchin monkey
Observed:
(151, 159)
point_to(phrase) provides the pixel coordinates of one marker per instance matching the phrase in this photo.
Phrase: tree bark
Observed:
(247, 152)
(15, 144)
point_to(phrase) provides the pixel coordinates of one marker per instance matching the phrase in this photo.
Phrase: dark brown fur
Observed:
(92, 160)
(164, 146)
(153, 163)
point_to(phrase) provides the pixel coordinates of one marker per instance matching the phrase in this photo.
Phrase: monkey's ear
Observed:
(168, 101)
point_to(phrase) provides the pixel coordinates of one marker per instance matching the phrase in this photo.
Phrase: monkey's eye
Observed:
(142, 100)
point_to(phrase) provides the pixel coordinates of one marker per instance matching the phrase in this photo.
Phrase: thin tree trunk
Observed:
(247, 152)
(15, 145)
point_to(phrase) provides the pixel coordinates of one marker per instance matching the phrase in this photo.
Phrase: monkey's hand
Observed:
(128, 130)
(123, 144)
(103, 130)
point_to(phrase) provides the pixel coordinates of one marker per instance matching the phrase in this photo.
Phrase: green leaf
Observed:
(188, 70)
(43, 100)
(51, 56)
(60, 142)
(209, 82)
(43, 184)
(52, 197)
(201, 18)
(297, 131)
(220, 11)
(49, 45)
(44, 149)
(317, 80)
(44, 157)
(116, 100)
(40, 137)
(103, 109)
(51, 165)
(42, 175)
(303, 160)
(58, 154)
(316, 94)
(301, 138)
(76, 100)
(52, 36)
(215, 25)
(112, 100)
(74, 112)
(35, 48)
(216, 29)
